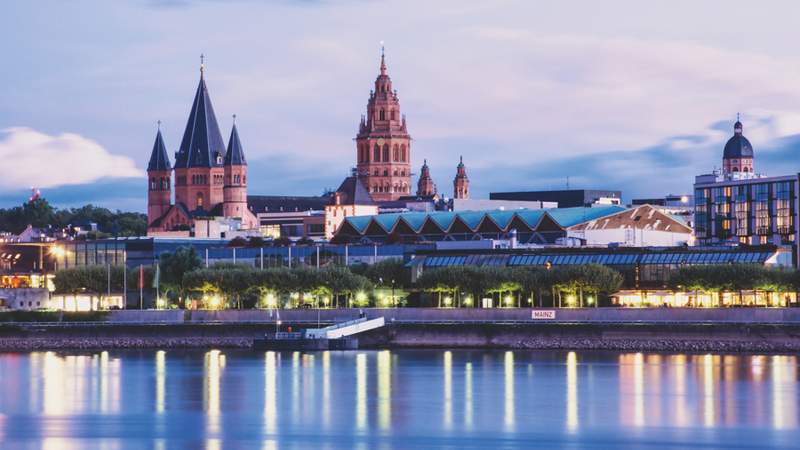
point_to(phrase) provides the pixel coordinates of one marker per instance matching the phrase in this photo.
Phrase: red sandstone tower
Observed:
(199, 162)
(159, 172)
(383, 144)
(425, 186)
(461, 182)
(235, 189)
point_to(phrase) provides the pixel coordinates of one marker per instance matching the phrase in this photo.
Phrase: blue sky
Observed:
(630, 95)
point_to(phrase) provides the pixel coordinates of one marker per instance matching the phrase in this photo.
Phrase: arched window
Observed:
(199, 200)
(376, 172)
(396, 153)
(376, 153)
(735, 169)
(383, 115)
(386, 172)
(152, 184)
(403, 153)
(392, 114)
(386, 152)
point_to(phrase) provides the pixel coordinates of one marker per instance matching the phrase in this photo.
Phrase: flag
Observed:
(141, 276)
(157, 277)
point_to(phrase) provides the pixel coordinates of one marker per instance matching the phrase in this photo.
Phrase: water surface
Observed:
(396, 400)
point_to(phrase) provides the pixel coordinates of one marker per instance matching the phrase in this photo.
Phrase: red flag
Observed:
(141, 276)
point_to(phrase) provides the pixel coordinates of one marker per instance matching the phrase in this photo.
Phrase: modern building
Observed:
(646, 271)
(738, 206)
(289, 216)
(210, 180)
(568, 198)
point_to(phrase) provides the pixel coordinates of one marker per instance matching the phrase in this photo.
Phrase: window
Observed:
(383, 115)
(199, 200)
(761, 209)
(386, 152)
(376, 153)
(784, 195)
(392, 113)
(403, 153)
(396, 153)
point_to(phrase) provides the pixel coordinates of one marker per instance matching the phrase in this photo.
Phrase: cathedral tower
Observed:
(235, 168)
(383, 144)
(199, 161)
(159, 172)
(461, 182)
(425, 186)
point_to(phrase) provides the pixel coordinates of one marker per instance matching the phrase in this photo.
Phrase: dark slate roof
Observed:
(202, 142)
(278, 203)
(738, 147)
(159, 159)
(353, 192)
(235, 155)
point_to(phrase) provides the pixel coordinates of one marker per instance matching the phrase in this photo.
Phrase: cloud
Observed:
(37, 159)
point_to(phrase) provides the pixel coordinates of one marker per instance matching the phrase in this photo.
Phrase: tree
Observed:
(174, 266)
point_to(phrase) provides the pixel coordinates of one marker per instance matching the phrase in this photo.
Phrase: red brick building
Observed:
(210, 180)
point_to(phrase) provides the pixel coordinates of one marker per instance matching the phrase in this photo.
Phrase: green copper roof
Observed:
(567, 217)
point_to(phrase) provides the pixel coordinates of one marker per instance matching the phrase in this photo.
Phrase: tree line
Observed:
(39, 213)
(183, 278)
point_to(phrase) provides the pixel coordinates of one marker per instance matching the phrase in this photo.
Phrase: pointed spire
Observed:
(202, 65)
(159, 159)
(235, 154)
(383, 60)
(202, 141)
(737, 127)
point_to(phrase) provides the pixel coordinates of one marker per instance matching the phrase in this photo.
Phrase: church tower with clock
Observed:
(383, 144)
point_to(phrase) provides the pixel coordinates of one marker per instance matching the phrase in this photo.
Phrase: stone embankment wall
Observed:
(427, 315)
(712, 330)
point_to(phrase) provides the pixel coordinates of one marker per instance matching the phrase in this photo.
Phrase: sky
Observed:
(629, 95)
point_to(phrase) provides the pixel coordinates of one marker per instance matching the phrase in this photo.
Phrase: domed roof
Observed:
(738, 146)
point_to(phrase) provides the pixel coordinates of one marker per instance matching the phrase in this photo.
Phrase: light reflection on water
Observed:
(396, 399)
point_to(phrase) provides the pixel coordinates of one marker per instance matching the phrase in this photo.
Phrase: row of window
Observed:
(745, 210)
(398, 153)
(401, 188)
(159, 184)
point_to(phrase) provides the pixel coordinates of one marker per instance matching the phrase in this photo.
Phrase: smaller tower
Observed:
(425, 186)
(234, 193)
(738, 154)
(159, 190)
(461, 182)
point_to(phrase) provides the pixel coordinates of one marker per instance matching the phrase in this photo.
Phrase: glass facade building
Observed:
(747, 210)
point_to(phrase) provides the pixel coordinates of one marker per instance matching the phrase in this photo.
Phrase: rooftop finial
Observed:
(737, 116)
(159, 125)
(383, 60)
(202, 64)
(234, 119)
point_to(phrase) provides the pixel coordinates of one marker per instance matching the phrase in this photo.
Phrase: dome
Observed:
(738, 146)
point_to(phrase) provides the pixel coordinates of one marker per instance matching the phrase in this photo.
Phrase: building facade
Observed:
(568, 198)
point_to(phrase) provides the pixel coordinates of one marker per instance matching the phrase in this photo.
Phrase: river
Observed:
(396, 400)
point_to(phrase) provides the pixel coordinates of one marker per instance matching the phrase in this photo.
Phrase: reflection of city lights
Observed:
(468, 395)
(572, 391)
(448, 389)
(384, 389)
(361, 391)
(508, 387)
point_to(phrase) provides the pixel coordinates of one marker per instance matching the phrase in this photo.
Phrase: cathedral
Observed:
(210, 179)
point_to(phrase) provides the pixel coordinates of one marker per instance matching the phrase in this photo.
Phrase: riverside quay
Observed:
(644, 276)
